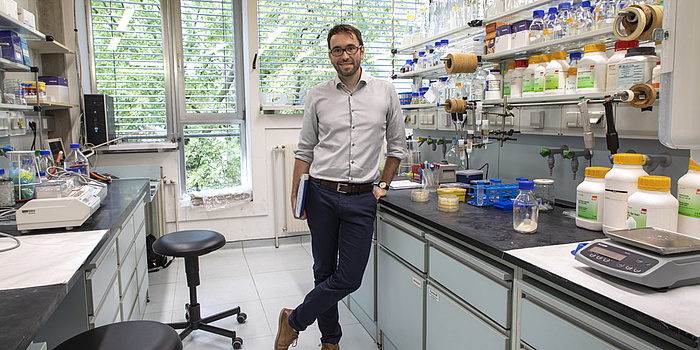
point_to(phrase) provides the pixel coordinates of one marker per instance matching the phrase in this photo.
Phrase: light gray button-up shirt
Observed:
(342, 132)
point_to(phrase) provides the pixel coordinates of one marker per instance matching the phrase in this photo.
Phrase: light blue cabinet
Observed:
(400, 296)
(362, 302)
(449, 325)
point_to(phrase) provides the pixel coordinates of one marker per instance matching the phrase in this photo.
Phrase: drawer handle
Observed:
(417, 282)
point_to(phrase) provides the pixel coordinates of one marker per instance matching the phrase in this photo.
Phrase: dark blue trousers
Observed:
(341, 237)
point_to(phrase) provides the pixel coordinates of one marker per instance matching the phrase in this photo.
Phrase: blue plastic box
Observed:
(13, 51)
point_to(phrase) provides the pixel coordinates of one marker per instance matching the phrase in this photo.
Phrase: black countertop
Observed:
(25, 310)
(491, 230)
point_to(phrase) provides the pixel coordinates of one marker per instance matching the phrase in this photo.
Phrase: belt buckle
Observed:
(337, 187)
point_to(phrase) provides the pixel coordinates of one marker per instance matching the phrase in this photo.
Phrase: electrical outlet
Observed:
(572, 119)
(537, 120)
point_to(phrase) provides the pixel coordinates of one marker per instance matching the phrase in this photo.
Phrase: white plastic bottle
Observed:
(507, 79)
(494, 85)
(653, 205)
(529, 76)
(656, 75)
(590, 199)
(620, 52)
(76, 161)
(689, 201)
(636, 67)
(620, 183)
(540, 71)
(516, 80)
(571, 81)
(591, 70)
(555, 74)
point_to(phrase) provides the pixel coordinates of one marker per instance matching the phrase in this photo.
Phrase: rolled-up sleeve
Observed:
(395, 128)
(308, 137)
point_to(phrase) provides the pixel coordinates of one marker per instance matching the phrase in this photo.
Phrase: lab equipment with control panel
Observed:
(67, 211)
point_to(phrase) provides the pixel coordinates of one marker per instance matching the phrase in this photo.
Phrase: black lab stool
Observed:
(142, 335)
(191, 244)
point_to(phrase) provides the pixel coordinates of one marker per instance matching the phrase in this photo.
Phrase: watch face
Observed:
(383, 185)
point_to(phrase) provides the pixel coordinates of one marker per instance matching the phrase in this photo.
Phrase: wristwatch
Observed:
(383, 185)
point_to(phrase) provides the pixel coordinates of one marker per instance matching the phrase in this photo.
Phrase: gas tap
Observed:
(441, 141)
(430, 141)
(574, 155)
(549, 154)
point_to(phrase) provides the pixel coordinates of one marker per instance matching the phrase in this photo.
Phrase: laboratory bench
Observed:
(438, 279)
(109, 285)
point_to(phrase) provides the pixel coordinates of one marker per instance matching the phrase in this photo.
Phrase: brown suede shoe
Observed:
(286, 336)
(328, 346)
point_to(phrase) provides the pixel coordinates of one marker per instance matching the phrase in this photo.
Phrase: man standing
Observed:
(345, 123)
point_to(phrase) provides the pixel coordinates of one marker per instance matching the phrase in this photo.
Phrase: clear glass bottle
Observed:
(584, 18)
(536, 27)
(549, 23)
(7, 197)
(572, 21)
(45, 161)
(76, 161)
(560, 24)
(525, 208)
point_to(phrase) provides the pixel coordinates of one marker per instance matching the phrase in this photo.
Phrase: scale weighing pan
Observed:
(656, 240)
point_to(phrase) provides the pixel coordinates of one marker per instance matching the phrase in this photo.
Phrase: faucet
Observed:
(652, 162)
(574, 155)
(442, 142)
(549, 154)
(431, 142)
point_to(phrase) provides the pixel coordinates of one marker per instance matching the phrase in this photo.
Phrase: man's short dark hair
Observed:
(347, 29)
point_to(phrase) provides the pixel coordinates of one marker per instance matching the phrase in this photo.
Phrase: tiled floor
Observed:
(261, 279)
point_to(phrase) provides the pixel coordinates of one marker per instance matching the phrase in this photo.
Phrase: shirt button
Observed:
(353, 144)
(352, 162)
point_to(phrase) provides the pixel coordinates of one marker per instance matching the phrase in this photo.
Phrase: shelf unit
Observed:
(52, 106)
(11, 107)
(436, 71)
(43, 47)
(521, 12)
(24, 31)
(11, 66)
(459, 33)
(421, 106)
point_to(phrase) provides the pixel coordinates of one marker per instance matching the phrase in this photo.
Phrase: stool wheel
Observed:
(242, 317)
(237, 343)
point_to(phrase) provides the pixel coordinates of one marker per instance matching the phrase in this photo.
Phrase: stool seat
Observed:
(142, 335)
(189, 243)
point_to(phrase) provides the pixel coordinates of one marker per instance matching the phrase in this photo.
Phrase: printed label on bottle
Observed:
(615, 195)
(547, 31)
(612, 76)
(538, 86)
(493, 85)
(629, 74)
(585, 78)
(529, 82)
(552, 80)
(639, 215)
(689, 201)
(588, 206)
(506, 88)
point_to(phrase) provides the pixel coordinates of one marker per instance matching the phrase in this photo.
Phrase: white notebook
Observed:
(301, 195)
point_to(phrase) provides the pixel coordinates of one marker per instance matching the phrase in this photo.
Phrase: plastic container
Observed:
(621, 48)
(529, 76)
(516, 80)
(494, 85)
(76, 161)
(7, 195)
(620, 183)
(653, 205)
(525, 208)
(556, 73)
(656, 75)
(420, 195)
(459, 192)
(540, 72)
(507, 79)
(592, 69)
(590, 199)
(480, 196)
(23, 173)
(689, 201)
(448, 203)
(570, 87)
(544, 193)
(494, 193)
(636, 67)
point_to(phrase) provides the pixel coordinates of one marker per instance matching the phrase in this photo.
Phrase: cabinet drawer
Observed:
(402, 241)
(140, 241)
(482, 292)
(100, 278)
(449, 324)
(139, 215)
(142, 270)
(129, 298)
(125, 238)
(142, 298)
(127, 270)
(109, 309)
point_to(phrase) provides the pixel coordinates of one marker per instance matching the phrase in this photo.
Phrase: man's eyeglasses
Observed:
(351, 50)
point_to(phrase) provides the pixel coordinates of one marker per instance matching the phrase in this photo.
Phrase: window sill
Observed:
(139, 147)
(296, 109)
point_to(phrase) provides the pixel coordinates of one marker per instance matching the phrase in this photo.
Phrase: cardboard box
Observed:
(11, 8)
(503, 38)
(491, 27)
(27, 18)
(490, 41)
(56, 89)
(521, 34)
(13, 51)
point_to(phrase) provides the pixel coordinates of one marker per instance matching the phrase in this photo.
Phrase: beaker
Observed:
(22, 171)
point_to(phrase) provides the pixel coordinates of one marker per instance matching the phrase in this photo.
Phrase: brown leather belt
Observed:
(344, 187)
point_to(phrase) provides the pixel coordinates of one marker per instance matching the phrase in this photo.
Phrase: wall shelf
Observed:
(436, 71)
(11, 66)
(604, 35)
(521, 12)
(421, 106)
(13, 107)
(457, 33)
(49, 47)
(52, 106)
(24, 31)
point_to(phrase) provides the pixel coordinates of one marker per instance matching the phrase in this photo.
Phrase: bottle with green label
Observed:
(689, 201)
(590, 196)
(592, 69)
(653, 205)
(555, 74)
(529, 76)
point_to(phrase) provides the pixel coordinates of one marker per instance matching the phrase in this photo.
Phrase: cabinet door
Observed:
(402, 240)
(400, 295)
(451, 326)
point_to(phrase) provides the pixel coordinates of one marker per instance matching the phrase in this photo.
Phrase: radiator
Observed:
(290, 224)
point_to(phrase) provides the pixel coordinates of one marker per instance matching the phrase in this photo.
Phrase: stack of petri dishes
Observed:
(420, 195)
(448, 203)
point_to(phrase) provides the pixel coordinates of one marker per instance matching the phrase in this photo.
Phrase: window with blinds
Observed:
(293, 50)
(128, 56)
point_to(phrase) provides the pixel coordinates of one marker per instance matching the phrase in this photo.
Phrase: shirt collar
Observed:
(364, 77)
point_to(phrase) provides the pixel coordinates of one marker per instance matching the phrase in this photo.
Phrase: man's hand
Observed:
(378, 192)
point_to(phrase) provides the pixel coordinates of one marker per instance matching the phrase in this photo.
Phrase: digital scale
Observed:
(648, 256)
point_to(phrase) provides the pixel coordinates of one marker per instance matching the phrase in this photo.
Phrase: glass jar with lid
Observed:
(544, 192)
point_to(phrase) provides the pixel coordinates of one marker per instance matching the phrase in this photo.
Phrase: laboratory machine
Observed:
(67, 211)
